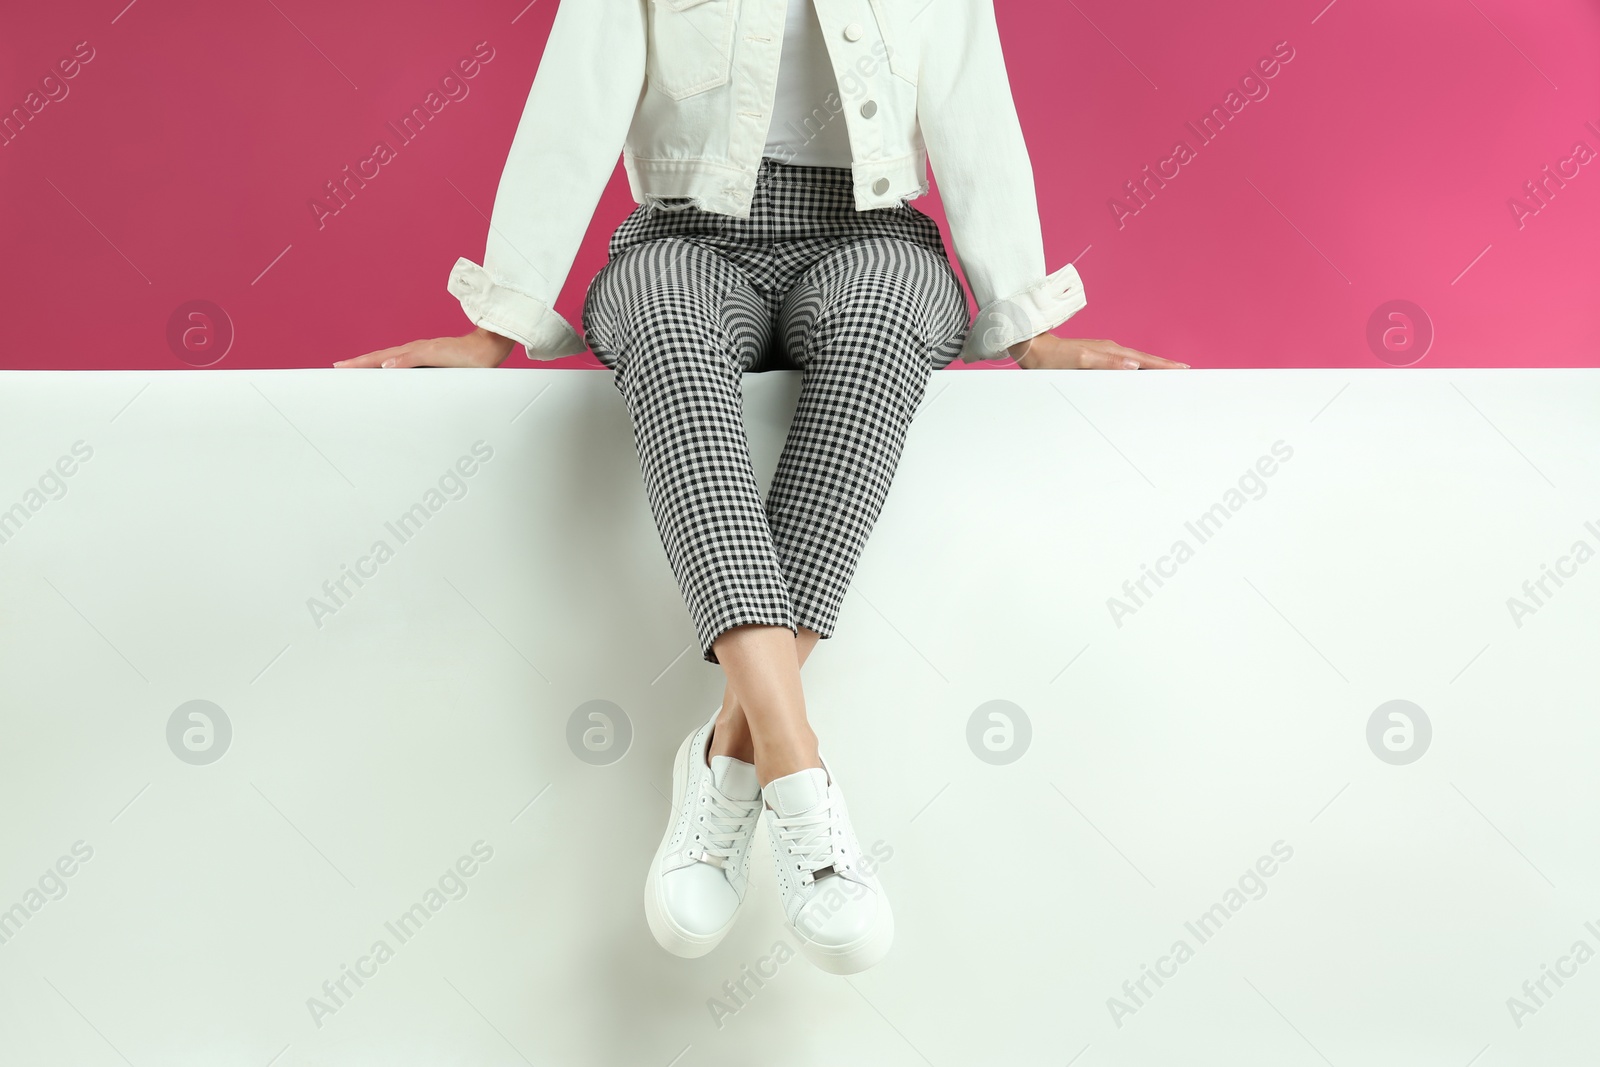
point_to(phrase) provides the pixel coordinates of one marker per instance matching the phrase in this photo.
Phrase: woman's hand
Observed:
(480, 348)
(1049, 352)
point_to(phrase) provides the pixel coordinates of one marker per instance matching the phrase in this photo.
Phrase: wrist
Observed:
(496, 344)
(1023, 355)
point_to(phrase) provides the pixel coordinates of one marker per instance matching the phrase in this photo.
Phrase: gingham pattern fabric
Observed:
(864, 304)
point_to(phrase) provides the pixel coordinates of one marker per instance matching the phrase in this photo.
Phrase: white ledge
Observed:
(1172, 744)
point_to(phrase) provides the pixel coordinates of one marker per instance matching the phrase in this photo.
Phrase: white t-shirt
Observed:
(805, 127)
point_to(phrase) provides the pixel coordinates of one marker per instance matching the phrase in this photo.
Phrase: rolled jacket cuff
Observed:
(1024, 314)
(525, 319)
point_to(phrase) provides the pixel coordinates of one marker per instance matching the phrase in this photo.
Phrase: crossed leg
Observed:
(867, 326)
(680, 325)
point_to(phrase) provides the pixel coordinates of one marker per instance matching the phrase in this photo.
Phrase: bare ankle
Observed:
(789, 755)
(731, 735)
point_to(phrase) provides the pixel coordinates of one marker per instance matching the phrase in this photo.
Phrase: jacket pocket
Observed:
(691, 45)
(902, 58)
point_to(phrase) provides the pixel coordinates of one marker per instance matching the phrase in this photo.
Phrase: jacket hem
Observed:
(727, 189)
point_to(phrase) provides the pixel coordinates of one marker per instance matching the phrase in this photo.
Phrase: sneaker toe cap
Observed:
(698, 898)
(842, 918)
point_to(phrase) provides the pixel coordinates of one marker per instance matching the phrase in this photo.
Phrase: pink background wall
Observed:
(1380, 166)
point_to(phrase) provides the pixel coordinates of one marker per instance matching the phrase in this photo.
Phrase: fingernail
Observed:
(1130, 364)
(338, 363)
(1185, 366)
(388, 363)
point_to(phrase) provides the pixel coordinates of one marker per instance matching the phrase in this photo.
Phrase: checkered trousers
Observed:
(864, 304)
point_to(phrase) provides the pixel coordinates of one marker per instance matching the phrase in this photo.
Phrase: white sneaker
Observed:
(832, 902)
(699, 875)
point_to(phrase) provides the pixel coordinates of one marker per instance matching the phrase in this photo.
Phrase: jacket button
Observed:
(852, 32)
(869, 109)
(881, 186)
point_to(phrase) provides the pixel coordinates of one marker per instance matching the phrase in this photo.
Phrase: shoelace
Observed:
(808, 837)
(725, 823)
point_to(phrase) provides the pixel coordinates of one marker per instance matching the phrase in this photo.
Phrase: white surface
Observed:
(1167, 755)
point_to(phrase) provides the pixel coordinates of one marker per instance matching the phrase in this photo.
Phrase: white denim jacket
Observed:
(686, 88)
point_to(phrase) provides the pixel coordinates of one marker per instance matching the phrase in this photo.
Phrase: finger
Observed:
(371, 359)
(405, 357)
(1146, 360)
(1103, 359)
(1149, 362)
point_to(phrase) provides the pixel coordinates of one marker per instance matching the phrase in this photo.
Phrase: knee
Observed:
(904, 299)
(876, 329)
(665, 300)
(671, 330)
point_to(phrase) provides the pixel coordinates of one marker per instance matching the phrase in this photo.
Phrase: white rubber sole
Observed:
(867, 951)
(668, 934)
